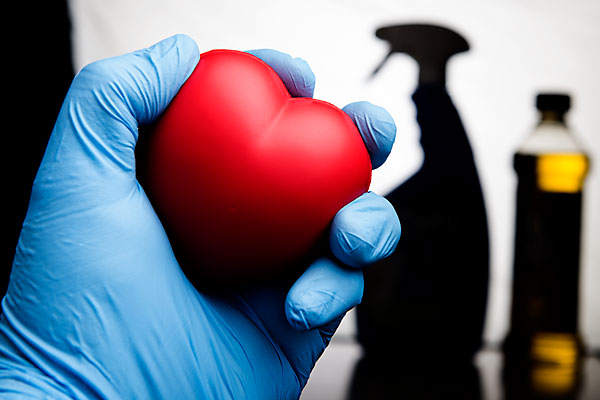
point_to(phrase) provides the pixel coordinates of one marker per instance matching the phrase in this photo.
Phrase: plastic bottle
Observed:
(543, 347)
(428, 299)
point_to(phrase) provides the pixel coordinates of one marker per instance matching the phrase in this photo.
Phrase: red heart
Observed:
(245, 178)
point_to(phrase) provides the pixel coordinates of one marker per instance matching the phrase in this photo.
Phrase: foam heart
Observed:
(245, 178)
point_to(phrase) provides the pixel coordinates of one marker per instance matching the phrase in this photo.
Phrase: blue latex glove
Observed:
(97, 306)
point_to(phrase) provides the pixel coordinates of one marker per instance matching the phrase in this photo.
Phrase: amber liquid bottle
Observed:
(543, 348)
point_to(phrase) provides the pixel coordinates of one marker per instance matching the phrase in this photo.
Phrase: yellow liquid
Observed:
(556, 357)
(561, 173)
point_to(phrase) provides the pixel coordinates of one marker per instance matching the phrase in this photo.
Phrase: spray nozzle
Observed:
(429, 45)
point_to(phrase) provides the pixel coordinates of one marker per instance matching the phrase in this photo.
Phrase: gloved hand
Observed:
(97, 306)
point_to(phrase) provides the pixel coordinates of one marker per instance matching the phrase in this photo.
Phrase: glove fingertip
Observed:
(188, 48)
(295, 73)
(377, 128)
(358, 241)
(303, 78)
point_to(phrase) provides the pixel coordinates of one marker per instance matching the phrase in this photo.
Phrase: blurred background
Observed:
(517, 49)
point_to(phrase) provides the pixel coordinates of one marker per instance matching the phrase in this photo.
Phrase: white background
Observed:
(517, 49)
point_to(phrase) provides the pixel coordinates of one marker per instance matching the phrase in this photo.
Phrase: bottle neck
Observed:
(552, 116)
(551, 135)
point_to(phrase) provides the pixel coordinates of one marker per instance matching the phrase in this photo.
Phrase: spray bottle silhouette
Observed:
(429, 298)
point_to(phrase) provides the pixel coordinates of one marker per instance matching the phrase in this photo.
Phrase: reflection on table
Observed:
(344, 373)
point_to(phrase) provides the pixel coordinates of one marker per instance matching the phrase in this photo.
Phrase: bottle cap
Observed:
(553, 102)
